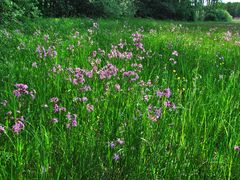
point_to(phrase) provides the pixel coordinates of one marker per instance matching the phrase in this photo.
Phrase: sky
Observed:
(225, 1)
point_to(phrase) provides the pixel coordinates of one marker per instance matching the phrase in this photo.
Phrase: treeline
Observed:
(190, 10)
(159, 9)
(233, 9)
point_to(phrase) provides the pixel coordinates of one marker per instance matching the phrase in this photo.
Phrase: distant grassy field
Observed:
(236, 20)
(119, 99)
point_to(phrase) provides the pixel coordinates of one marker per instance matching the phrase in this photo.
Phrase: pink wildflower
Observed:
(34, 64)
(120, 141)
(175, 53)
(116, 157)
(167, 92)
(90, 107)
(4, 103)
(17, 127)
(54, 99)
(146, 98)
(117, 87)
(158, 113)
(159, 93)
(111, 144)
(2, 129)
(237, 148)
(55, 120)
(56, 108)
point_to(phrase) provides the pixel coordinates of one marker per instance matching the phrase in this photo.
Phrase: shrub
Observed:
(13, 11)
(116, 8)
(210, 16)
(223, 15)
(218, 15)
(199, 15)
(157, 9)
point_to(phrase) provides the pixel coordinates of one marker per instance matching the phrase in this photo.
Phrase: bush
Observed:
(233, 8)
(116, 8)
(156, 9)
(223, 15)
(218, 15)
(199, 15)
(185, 12)
(210, 16)
(14, 11)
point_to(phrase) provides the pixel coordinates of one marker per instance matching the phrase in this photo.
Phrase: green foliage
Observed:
(178, 10)
(223, 15)
(233, 9)
(185, 11)
(14, 11)
(210, 16)
(106, 8)
(156, 9)
(199, 15)
(116, 8)
(189, 10)
(6, 10)
(218, 15)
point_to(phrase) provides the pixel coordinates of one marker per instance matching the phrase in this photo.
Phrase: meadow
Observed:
(119, 99)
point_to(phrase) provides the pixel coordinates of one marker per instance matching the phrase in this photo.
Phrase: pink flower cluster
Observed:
(85, 88)
(90, 107)
(137, 38)
(170, 104)
(57, 68)
(137, 66)
(228, 36)
(175, 53)
(4, 103)
(46, 37)
(18, 126)
(167, 93)
(114, 146)
(237, 148)
(154, 113)
(43, 53)
(83, 99)
(145, 84)
(132, 75)
(56, 107)
(99, 51)
(71, 48)
(172, 59)
(22, 89)
(77, 75)
(122, 44)
(117, 87)
(108, 71)
(2, 129)
(73, 120)
(115, 53)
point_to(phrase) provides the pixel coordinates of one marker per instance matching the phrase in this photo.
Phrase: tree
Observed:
(16, 10)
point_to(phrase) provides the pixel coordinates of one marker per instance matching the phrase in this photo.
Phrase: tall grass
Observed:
(189, 72)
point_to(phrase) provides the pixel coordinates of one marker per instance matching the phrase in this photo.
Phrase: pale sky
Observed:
(225, 1)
